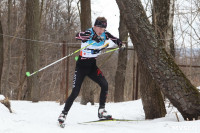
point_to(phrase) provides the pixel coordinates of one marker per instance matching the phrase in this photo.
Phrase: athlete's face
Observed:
(99, 30)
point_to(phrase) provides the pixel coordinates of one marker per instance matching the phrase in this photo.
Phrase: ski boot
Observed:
(102, 114)
(62, 118)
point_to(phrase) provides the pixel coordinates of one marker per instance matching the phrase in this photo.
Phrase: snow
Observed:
(2, 97)
(42, 118)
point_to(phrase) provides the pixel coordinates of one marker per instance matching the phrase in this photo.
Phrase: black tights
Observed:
(87, 67)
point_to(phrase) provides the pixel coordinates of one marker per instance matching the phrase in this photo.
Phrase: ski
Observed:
(107, 120)
(62, 125)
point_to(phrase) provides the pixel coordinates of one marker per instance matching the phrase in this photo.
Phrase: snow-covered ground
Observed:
(42, 117)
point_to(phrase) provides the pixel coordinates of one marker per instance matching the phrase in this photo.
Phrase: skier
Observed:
(94, 38)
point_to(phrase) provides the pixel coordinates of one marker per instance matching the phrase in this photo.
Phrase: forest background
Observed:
(59, 22)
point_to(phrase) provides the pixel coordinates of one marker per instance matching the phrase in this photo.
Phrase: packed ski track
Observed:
(42, 118)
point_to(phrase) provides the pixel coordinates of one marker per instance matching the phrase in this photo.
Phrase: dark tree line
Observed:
(1, 53)
(57, 21)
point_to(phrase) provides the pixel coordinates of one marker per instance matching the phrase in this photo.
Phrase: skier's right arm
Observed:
(84, 36)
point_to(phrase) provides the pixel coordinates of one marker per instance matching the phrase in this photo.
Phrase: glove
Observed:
(95, 51)
(96, 38)
(119, 43)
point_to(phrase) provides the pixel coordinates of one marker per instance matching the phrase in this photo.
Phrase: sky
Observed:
(109, 9)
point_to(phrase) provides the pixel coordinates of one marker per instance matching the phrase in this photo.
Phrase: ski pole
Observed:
(28, 74)
(108, 51)
(115, 49)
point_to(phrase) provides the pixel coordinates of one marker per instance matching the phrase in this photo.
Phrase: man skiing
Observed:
(93, 40)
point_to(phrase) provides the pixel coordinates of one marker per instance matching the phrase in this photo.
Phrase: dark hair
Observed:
(101, 22)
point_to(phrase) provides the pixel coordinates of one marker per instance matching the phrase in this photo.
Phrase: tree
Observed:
(32, 48)
(87, 89)
(1, 52)
(152, 99)
(121, 66)
(85, 14)
(8, 50)
(163, 14)
(150, 92)
(161, 66)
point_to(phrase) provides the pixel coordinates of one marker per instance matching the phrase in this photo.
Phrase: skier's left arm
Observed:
(84, 36)
(114, 39)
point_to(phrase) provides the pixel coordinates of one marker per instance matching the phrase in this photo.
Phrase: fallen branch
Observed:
(6, 102)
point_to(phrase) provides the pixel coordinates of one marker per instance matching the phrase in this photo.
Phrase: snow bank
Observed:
(3, 109)
(42, 117)
(2, 97)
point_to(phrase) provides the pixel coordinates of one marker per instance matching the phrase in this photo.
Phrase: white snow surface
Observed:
(42, 117)
(2, 97)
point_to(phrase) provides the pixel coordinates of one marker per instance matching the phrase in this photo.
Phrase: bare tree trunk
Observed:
(63, 76)
(85, 15)
(87, 89)
(8, 51)
(163, 15)
(121, 66)
(175, 86)
(1, 53)
(32, 48)
(169, 36)
(136, 77)
(152, 99)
